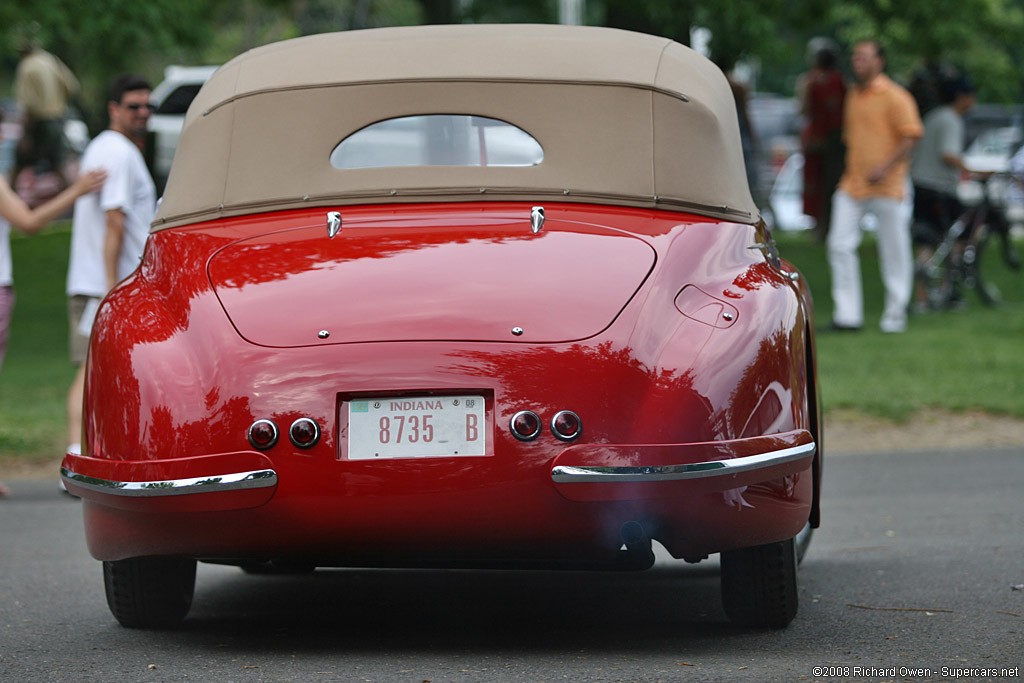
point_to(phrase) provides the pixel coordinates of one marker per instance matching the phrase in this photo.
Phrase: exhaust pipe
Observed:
(632, 533)
(638, 552)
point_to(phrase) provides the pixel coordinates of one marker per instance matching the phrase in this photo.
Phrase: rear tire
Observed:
(802, 542)
(759, 585)
(149, 592)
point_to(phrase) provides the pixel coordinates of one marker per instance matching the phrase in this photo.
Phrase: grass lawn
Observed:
(963, 360)
(37, 372)
(971, 359)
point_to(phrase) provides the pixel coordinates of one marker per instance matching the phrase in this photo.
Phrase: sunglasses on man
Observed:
(136, 107)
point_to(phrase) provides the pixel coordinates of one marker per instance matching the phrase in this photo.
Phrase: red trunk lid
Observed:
(469, 279)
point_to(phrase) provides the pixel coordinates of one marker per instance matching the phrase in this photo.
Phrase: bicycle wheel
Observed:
(973, 259)
(936, 279)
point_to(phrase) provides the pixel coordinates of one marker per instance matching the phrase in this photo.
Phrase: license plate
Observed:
(416, 427)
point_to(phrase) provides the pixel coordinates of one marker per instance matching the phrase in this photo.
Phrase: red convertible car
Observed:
(460, 296)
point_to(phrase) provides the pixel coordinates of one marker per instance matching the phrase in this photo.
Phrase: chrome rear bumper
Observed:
(568, 474)
(606, 472)
(236, 481)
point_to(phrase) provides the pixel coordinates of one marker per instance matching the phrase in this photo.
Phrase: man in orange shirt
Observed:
(881, 125)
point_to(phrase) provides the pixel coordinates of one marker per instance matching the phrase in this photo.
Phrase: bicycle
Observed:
(956, 263)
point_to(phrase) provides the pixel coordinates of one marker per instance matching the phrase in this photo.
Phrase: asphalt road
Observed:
(915, 568)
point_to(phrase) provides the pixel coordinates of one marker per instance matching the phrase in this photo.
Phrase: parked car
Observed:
(991, 151)
(786, 199)
(985, 116)
(511, 336)
(172, 98)
(776, 121)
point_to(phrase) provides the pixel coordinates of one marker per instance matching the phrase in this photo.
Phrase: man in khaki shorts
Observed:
(109, 229)
(78, 342)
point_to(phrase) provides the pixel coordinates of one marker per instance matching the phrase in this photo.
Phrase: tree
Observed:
(982, 37)
(979, 36)
(100, 40)
(439, 12)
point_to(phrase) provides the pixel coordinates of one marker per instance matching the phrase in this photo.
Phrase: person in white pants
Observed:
(881, 125)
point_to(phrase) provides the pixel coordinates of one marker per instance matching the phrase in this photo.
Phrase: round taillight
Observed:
(304, 432)
(525, 425)
(566, 425)
(263, 434)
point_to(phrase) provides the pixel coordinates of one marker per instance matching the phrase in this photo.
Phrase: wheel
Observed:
(1011, 257)
(936, 280)
(802, 542)
(988, 293)
(149, 592)
(759, 586)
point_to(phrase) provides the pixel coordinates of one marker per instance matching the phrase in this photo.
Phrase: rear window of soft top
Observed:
(438, 140)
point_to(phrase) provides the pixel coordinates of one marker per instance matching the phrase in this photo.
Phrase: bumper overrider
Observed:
(584, 472)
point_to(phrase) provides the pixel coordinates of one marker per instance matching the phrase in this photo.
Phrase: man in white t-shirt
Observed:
(109, 228)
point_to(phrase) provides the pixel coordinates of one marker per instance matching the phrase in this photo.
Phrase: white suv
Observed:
(171, 99)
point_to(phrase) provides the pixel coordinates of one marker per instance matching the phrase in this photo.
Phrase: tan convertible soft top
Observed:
(623, 118)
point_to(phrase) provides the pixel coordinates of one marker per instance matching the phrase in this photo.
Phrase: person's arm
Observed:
(17, 212)
(951, 142)
(957, 162)
(900, 152)
(112, 244)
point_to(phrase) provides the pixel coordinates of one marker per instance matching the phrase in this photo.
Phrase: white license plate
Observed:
(416, 427)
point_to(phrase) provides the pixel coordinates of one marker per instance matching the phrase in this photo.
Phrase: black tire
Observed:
(988, 293)
(937, 281)
(150, 592)
(802, 542)
(759, 585)
(1011, 257)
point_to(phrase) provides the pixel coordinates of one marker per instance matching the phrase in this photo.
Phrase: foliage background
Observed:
(100, 39)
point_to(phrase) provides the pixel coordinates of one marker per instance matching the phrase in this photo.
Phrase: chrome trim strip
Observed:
(569, 474)
(238, 481)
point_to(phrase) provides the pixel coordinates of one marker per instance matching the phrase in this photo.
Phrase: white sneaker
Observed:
(893, 325)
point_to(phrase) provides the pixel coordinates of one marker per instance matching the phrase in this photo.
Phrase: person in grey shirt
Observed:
(935, 171)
